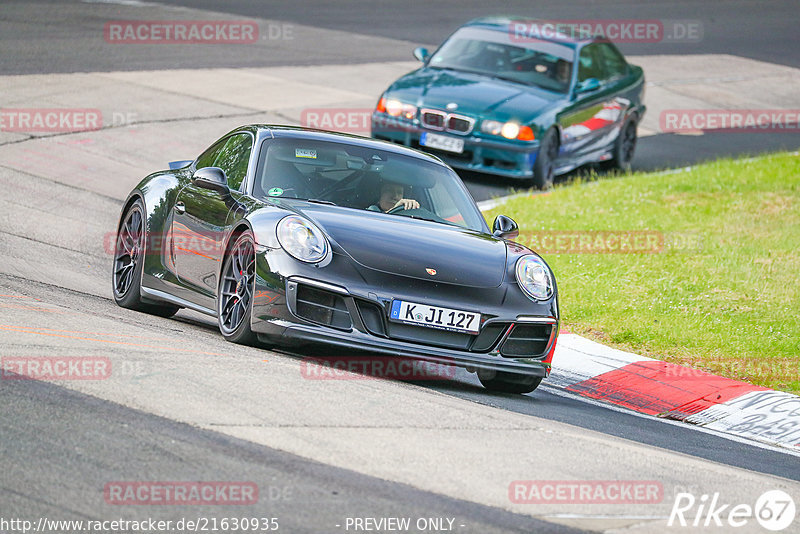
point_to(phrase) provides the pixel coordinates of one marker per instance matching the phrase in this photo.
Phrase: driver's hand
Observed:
(407, 204)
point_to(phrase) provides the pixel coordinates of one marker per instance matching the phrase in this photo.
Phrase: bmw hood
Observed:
(412, 248)
(475, 94)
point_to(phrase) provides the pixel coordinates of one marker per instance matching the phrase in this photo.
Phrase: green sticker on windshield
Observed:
(275, 192)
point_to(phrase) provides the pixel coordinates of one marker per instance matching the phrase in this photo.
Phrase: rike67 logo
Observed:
(774, 510)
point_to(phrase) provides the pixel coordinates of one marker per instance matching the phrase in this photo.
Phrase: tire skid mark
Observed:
(96, 333)
(31, 308)
(31, 330)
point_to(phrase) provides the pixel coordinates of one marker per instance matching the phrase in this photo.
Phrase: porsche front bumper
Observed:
(299, 310)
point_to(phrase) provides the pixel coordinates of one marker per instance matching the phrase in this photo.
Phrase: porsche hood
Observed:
(412, 248)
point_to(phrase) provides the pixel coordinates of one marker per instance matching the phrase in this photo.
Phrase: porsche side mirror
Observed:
(505, 228)
(212, 178)
(587, 86)
(421, 53)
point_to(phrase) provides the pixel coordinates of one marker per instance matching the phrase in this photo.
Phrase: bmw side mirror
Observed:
(505, 228)
(587, 86)
(212, 178)
(421, 53)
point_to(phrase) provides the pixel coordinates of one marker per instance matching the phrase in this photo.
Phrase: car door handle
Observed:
(180, 208)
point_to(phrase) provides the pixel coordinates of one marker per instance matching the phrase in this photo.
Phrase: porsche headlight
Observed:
(301, 239)
(534, 277)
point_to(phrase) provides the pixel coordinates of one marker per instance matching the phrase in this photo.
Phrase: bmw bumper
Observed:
(513, 160)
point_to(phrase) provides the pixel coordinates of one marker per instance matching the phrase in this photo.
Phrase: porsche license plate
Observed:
(442, 142)
(435, 317)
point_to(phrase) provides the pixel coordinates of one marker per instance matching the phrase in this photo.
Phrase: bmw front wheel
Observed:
(625, 146)
(544, 166)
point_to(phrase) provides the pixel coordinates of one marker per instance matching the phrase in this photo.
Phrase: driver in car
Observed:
(392, 197)
(563, 72)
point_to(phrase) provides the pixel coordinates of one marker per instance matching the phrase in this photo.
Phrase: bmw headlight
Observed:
(509, 130)
(395, 108)
(534, 277)
(301, 239)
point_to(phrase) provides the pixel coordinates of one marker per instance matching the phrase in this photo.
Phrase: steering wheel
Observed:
(397, 209)
(420, 213)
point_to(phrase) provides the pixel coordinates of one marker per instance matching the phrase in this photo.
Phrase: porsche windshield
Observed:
(542, 63)
(365, 179)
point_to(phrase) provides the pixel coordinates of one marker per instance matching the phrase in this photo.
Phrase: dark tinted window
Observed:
(234, 157)
(531, 62)
(614, 65)
(350, 176)
(588, 64)
(208, 157)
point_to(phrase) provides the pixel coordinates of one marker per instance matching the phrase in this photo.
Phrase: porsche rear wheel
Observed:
(508, 382)
(129, 258)
(235, 296)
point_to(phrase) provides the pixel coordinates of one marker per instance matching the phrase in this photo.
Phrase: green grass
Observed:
(728, 303)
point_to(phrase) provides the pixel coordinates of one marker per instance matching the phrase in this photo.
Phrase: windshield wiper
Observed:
(484, 73)
(319, 201)
(507, 79)
(440, 221)
(460, 69)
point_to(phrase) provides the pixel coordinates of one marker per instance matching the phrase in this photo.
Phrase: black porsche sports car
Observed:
(292, 237)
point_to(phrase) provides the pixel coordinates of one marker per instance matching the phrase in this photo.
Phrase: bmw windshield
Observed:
(493, 53)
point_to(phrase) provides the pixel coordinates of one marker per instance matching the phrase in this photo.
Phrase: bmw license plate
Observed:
(442, 142)
(435, 317)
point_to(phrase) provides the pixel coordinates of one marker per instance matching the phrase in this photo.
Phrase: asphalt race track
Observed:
(181, 404)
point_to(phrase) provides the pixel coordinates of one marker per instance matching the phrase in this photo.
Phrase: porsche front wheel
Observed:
(235, 296)
(505, 382)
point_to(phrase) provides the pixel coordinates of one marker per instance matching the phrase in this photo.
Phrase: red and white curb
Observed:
(662, 389)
